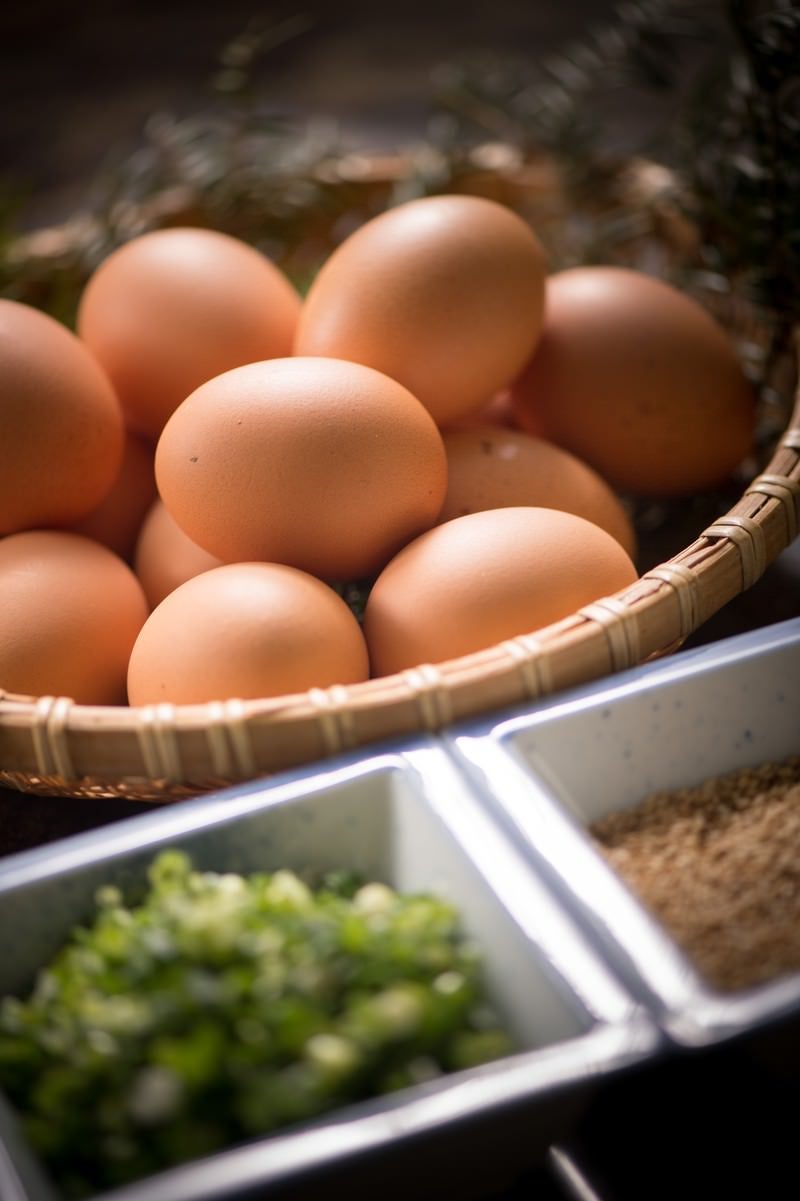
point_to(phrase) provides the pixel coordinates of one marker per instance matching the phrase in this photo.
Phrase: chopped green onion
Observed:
(222, 1007)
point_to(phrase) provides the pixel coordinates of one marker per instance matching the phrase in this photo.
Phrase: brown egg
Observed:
(175, 307)
(486, 577)
(444, 294)
(245, 630)
(166, 557)
(491, 468)
(638, 380)
(116, 521)
(324, 465)
(71, 613)
(61, 430)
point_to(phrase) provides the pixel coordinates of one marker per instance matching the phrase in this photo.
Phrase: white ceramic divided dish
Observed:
(409, 818)
(554, 769)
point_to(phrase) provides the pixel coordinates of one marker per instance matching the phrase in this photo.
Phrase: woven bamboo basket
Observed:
(52, 746)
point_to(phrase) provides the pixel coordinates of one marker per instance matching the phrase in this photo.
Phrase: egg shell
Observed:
(480, 579)
(493, 468)
(72, 610)
(116, 521)
(175, 307)
(165, 557)
(443, 293)
(245, 630)
(61, 428)
(325, 465)
(639, 380)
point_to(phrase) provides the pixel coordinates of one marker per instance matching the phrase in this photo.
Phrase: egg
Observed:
(444, 294)
(116, 521)
(640, 381)
(493, 468)
(486, 577)
(61, 429)
(245, 630)
(324, 465)
(72, 610)
(166, 557)
(175, 307)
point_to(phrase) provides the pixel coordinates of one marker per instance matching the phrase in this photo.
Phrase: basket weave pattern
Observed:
(52, 746)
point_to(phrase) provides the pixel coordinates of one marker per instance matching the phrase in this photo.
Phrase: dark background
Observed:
(79, 80)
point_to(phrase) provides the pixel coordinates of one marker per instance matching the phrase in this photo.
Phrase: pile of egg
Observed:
(187, 478)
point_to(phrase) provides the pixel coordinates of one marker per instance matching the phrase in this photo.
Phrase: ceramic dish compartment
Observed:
(553, 770)
(408, 818)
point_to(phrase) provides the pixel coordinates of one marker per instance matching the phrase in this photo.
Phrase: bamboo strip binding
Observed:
(53, 746)
(165, 752)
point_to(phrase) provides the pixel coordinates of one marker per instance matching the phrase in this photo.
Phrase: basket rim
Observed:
(53, 745)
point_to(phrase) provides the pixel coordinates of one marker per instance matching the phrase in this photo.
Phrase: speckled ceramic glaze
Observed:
(555, 768)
